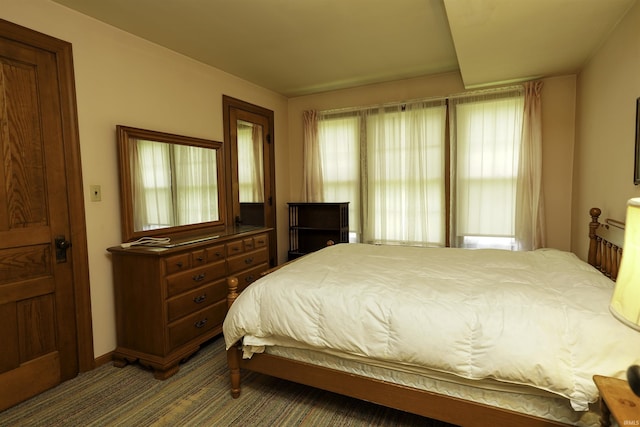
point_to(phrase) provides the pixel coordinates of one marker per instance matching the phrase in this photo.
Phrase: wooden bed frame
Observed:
(605, 250)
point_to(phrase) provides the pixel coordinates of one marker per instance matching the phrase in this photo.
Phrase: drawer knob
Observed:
(200, 298)
(179, 264)
(200, 323)
(200, 259)
(199, 277)
(249, 279)
(248, 260)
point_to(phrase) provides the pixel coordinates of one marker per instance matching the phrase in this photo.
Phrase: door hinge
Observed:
(268, 138)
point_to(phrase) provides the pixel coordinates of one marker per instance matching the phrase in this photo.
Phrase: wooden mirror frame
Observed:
(125, 135)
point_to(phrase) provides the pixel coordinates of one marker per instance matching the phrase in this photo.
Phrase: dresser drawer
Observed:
(215, 253)
(247, 260)
(260, 241)
(198, 258)
(176, 263)
(194, 278)
(196, 324)
(249, 276)
(196, 300)
(234, 248)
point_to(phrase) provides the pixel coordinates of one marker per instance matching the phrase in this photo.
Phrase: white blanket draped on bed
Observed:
(537, 318)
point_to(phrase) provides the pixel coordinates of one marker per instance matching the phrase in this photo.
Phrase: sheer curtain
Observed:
(409, 182)
(174, 185)
(196, 190)
(152, 195)
(250, 163)
(486, 131)
(530, 225)
(341, 165)
(405, 174)
(388, 163)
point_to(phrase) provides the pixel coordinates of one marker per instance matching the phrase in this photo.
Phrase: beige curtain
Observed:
(530, 225)
(312, 178)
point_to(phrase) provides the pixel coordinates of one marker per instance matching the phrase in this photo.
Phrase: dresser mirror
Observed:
(248, 136)
(169, 183)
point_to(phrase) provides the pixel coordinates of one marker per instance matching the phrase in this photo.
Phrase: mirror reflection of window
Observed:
(250, 163)
(196, 185)
(173, 184)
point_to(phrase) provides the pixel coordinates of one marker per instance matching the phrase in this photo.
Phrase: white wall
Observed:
(607, 90)
(122, 79)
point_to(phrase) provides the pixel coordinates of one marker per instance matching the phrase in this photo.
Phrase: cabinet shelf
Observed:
(300, 228)
(312, 225)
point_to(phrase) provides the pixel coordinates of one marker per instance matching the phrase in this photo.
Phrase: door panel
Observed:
(37, 303)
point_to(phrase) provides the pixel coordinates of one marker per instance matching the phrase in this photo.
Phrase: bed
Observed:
(495, 338)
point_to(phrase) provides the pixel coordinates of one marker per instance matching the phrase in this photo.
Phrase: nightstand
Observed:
(617, 400)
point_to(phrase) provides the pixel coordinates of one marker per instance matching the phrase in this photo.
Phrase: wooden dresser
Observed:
(171, 300)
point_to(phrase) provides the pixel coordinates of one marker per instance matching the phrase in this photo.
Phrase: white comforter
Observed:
(537, 318)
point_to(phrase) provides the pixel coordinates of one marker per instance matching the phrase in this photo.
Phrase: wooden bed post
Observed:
(232, 290)
(234, 352)
(233, 361)
(593, 239)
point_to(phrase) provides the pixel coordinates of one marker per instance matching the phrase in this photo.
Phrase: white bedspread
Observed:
(537, 318)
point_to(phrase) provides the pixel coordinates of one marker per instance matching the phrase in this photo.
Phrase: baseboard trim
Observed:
(103, 360)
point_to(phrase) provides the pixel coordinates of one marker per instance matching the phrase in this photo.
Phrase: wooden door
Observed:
(38, 294)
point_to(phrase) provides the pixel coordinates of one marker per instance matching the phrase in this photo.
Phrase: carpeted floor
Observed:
(198, 395)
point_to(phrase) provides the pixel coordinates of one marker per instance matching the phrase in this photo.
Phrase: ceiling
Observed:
(307, 46)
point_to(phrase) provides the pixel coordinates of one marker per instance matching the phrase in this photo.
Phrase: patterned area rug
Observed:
(198, 395)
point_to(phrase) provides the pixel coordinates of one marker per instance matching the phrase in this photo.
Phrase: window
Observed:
(405, 175)
(391, 164)
(340, 163)
(486, 136)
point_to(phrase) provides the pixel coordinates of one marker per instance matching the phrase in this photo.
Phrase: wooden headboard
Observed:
(605, 244)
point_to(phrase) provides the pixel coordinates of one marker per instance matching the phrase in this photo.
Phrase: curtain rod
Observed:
(434, 98)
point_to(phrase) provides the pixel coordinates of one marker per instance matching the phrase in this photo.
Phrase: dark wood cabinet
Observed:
(312, 225)
(169, 301)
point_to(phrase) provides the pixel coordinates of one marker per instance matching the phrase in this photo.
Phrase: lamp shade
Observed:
(625, 303)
